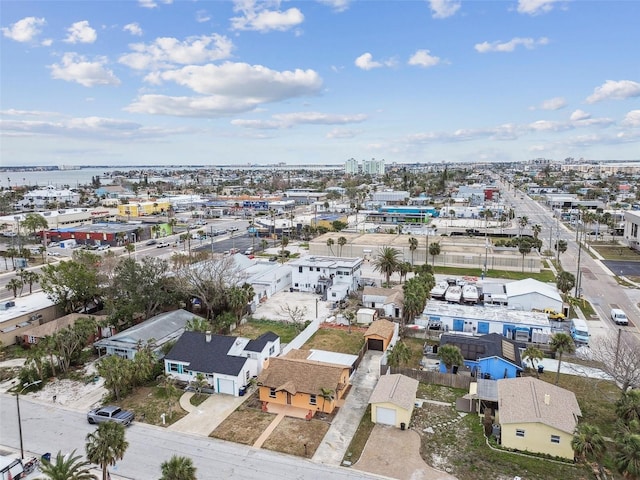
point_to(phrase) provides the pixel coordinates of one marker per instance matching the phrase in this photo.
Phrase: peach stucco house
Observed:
(303, 384)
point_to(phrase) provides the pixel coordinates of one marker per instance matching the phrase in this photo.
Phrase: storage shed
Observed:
(380, 335)
(366, 316)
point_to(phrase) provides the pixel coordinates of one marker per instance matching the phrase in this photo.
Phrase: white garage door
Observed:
(226, 386)
(386, 416)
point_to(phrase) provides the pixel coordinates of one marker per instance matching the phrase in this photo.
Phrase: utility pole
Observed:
(578, 267)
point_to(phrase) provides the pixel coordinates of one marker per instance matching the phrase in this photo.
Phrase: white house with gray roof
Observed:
(332, 277)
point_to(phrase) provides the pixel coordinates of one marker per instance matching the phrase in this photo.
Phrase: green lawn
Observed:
(543, 276)
(254, 328)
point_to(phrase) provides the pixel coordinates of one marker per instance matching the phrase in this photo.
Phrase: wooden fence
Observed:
(445, 379)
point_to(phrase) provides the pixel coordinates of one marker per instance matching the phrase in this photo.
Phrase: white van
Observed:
(619, 317)
(579, 331)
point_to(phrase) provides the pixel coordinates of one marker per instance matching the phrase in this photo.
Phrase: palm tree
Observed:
(413, 246)
(178, 468)
(588, 444)
(627, 455)
(28, 278)
(330, 243)
(434, 251)
(450, 356)
(561, 343)
(67, 467)
(404, 268)
(537, 228)
(342, 241)
(13, 285)
(106, 445)
(283, 244)
(628, 406)
(522, 223)
(565, 281)
(400, 354)
(387, 261)
(534, 355)
(326, 394)
(524, 247)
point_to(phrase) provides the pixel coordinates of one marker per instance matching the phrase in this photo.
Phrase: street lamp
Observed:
(135, 250)
(24, 387)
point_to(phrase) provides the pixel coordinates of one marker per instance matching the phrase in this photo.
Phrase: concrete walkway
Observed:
(269, 430)
(336, 442)
(204, 418)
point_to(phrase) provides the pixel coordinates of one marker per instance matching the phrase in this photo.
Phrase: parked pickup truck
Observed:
(551, 314)
(110, 413)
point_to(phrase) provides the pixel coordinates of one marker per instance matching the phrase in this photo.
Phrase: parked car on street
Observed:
(162, 245)
(110, 413)
(152, 242)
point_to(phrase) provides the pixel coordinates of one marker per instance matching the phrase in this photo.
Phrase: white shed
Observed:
(366, 316)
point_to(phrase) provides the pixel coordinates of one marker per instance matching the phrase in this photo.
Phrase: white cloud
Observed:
(555, 103)
(534, 7)
(133, 29)
(339, 133)
(166, 52)
(579, 115)
(259, 18)
(227, 89)
(511, 45)
(612, 90)
(24, 30)
(632, 119)
(244, 80)
(202, 16)
(47, 42)
(152, 3)
(444, 8)
(81, 32)
(423, 58)
(337, 5)
(365, 62)
(288, 120)
(75, 68)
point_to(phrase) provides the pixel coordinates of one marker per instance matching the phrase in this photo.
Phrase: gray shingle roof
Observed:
(207, 357)
(490, 345)
(259, 343)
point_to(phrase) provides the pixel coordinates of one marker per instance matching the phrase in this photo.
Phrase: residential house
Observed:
(31, 336)
(393, 399)
(332, 277)
(46, 197)
(20, 315)
(631, 228)
(490, 357)
(308, 385)
(158, 330)
(381, 334)
(388, 301)
(536, 416)
(227, 363)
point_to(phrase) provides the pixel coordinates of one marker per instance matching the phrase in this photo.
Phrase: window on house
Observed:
(555, 439)
(299, 269)
(317, 269)
(272, 349)
(247, 376)
(519, 432)
(313, 399)
(173, 367)
(272, 392)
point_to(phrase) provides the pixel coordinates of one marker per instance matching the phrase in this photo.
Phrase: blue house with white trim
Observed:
(490, 357)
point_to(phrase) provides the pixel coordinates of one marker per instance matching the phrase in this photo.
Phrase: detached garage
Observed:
(393, 400)
(379, 335)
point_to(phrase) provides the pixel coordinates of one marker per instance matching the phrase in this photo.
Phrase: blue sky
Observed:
(184, 82)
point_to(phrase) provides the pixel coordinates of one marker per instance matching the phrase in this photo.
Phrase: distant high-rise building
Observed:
(373, 167)
(370, 167)
(351, 167)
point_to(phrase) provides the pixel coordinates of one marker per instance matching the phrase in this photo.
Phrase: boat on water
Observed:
(453, 294)
(439, 290)
(470, 293)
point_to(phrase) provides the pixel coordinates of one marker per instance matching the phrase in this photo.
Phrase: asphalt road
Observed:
(49, 428)
(625, 267)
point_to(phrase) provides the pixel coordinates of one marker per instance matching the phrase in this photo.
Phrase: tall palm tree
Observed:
(29, 278)
(387, 261)
(67, 467)
(628, 406)
(178, 468)
(534, 355)
(13, 285)
(588, 444)
(627, 455)
(330, 244)
(524, 247)
(522, 223)
(106, 445)
(450, 356)
(434, 251)
(283, 244)
(326, 394)
(561, 343)
(537, 228)
(342, 241)
(413, 246)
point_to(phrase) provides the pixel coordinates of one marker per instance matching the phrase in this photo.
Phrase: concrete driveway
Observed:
(395, 453)
(203, 419)
(336, 441)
